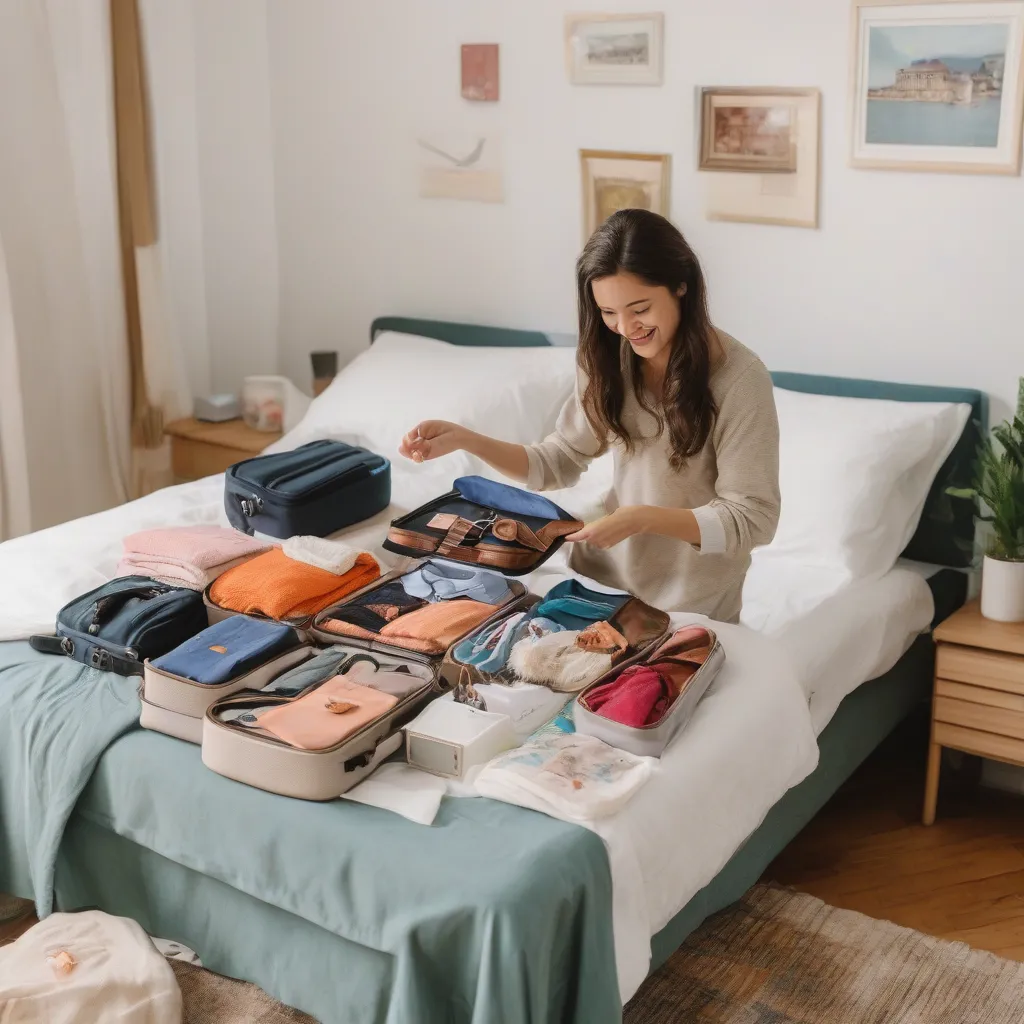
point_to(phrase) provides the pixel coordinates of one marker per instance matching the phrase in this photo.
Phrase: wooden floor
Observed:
(961, 878)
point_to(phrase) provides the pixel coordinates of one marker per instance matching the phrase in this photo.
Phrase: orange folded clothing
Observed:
(279, 587)
(431, 629)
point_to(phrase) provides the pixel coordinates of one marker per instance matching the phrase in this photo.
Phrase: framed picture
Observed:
(620, 181)
(614, 49)
(480, 71)
(748, 130)
(760, 149)
(937, 86)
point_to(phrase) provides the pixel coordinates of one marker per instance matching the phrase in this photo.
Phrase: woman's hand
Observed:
(613, 529)
(433, 438)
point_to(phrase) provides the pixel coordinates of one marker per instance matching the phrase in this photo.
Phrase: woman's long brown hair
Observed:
(642, 243)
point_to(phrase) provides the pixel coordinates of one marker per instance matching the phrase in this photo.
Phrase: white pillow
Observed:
(514, 394)
(854, 474)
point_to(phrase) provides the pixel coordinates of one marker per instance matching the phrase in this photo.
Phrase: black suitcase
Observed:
(313, 491)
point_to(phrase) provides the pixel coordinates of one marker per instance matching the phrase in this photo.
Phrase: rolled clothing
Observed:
(279, 587)
(187, 556)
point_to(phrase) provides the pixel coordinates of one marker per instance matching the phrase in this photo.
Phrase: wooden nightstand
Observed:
(201, 449)
(978, 705)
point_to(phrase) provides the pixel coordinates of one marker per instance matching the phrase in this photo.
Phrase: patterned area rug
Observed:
(782, 957)
(210, 998)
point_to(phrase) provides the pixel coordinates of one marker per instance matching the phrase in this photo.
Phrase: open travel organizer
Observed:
(299, 667)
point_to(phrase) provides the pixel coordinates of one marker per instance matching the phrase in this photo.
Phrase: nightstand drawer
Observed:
(979, 694)
(191, 459)
(982, 668)
(980, 716)
(985, 744)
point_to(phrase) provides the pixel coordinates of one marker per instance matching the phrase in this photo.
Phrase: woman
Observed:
(687, 410)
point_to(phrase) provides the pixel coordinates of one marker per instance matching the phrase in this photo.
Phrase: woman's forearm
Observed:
(508, 459)
(680, 523)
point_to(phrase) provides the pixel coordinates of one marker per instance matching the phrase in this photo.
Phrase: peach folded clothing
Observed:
(326, 715)
(187, 556)
(431, 629)
(279, 587)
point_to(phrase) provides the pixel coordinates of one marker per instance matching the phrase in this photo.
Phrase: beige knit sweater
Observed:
(732, 487)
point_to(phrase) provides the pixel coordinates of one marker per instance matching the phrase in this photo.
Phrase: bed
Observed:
(495, 913)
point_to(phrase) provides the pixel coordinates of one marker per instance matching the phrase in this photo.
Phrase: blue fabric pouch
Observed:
(228, 649)
(505, 498)
(575, 606)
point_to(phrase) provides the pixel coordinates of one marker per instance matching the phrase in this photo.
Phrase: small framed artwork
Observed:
(748, 130)
(760, 149)
(937, 86)
(614, 49)
(480, 71)
(621, 181)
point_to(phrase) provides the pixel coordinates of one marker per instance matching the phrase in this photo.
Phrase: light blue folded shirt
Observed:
(435, 581)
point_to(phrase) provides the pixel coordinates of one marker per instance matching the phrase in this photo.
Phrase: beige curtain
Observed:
(159, 389)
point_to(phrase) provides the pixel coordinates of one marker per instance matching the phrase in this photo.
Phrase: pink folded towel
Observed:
(187, 556)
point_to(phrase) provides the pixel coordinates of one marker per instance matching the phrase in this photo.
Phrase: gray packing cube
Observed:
(651, 740)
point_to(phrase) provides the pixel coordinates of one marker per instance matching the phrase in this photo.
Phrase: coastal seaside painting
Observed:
(939, 86)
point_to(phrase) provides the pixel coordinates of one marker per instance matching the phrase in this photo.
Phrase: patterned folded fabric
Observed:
(279, 587)
(187, 556)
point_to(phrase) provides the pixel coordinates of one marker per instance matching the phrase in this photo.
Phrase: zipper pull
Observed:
(250, 506)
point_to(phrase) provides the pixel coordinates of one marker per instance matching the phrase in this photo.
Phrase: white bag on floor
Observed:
(116, 974)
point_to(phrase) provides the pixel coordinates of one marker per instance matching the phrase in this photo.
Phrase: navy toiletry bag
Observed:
(313, 491)
(117, 626)
(486, 523)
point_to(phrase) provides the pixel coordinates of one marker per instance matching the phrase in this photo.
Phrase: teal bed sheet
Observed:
(352, 913)
(56, 719)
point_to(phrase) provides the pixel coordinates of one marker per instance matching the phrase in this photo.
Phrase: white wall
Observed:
(912, 277)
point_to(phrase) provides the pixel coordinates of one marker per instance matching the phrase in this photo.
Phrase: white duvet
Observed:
(749, 741)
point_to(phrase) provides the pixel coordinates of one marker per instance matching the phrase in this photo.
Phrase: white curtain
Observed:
(64, 377)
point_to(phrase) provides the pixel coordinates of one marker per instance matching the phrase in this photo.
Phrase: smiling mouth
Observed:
(640, 339)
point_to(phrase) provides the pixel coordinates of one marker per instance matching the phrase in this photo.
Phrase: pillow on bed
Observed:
(511, 393)
(854, 474)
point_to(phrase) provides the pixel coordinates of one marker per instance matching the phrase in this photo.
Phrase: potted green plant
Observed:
(999, 484)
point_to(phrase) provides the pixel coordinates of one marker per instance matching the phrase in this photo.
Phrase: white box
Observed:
(448, 739)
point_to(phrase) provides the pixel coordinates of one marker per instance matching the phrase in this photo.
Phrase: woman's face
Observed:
(646, 315)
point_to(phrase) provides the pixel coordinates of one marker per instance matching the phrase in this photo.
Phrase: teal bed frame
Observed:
(98, 867)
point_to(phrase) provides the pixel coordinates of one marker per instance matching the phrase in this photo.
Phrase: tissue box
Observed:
(448, 739)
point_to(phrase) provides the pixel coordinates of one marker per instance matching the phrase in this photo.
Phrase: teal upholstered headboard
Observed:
(945, 535)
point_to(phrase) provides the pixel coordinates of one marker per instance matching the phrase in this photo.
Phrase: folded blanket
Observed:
(279, 587)
(187, 556)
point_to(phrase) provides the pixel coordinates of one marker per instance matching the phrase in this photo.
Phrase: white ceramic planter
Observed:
(1002, 590)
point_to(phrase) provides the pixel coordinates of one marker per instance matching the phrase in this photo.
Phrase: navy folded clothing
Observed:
(228, 649)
